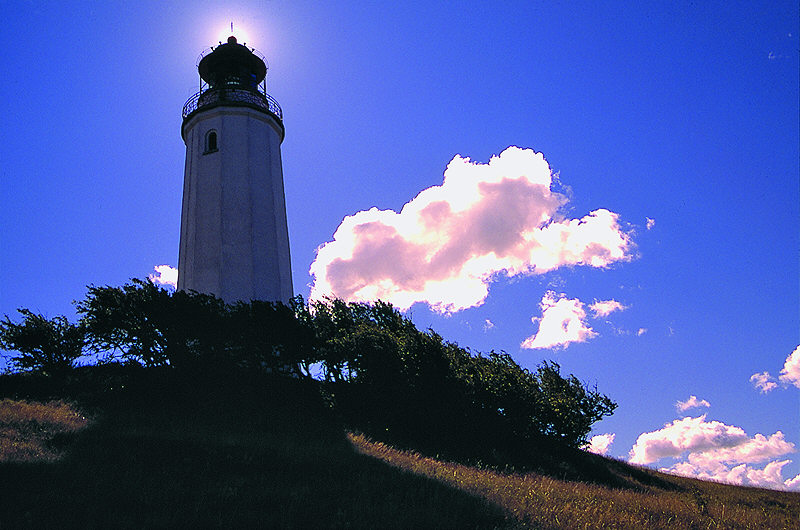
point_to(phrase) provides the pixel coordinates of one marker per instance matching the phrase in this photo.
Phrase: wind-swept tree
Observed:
(50, 346)
(390, 376)
(143, 322)
(270, 335)
(124, 320)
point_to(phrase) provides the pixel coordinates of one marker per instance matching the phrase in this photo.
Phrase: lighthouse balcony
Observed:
(232, 96)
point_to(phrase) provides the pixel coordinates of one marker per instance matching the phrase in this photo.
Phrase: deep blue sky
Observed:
(684, 113)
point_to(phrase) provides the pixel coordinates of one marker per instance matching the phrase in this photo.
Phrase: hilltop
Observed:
(128, 447)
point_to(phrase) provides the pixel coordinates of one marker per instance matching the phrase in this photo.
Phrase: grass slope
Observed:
(541, 501)
(142, 449)
(265, 455)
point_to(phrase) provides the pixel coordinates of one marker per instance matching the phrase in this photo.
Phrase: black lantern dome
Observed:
(232, 75)
(232, 64)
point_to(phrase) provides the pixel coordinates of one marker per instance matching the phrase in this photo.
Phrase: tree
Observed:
(146, 323)
(570, 408)
(50, 346)
(123, 320)
(270, 335)
(391, 376)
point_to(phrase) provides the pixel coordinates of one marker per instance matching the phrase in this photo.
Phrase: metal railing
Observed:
(218, 96)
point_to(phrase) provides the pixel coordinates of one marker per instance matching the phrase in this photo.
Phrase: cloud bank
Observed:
(717, 451)
(165, 275)
(451, 241)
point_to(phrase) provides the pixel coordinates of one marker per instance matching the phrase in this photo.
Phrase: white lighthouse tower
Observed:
(234, 238)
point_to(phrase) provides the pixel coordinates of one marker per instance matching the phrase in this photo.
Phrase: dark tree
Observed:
(49, 346)
(125, 321)
(143, 322)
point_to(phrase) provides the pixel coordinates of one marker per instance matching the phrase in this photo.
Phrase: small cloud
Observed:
(603, 308)
(641, 331)
(691, 403)
(487, 325)
(790, 374)
(563, 322)
(165, 275)
(650, 223)
(763, 382)
(600, 444)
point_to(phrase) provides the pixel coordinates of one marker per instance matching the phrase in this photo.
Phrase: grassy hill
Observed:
(113, 447)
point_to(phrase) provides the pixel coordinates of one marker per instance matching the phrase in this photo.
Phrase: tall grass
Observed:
(231, 452)
(31, 431)
(545, 502)
(224, 454)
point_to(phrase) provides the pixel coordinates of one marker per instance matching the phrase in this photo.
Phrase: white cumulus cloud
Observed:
(447, 244)
(793, 483)
(603, 308)
(650, 223)
(714, 450)
(756, 449)
(763, 382)
(686, 434)
(770, 476)
(692, 402)
(790, 374)
(165, 275)
(600, 443)
(563, 322)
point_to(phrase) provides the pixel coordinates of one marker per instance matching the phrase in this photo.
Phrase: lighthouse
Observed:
(234, 239)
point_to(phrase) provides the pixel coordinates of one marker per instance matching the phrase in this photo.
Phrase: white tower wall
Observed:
(234, 237)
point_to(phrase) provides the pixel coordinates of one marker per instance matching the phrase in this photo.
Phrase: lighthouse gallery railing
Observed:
(217, 96)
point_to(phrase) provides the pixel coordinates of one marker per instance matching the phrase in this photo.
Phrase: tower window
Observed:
(211, 142)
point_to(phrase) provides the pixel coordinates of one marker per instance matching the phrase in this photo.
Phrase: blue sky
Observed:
(682, 113)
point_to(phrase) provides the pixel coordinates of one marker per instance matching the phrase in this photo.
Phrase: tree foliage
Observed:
(392, 377)
(384, 375)
(51, 346)
(187, 330)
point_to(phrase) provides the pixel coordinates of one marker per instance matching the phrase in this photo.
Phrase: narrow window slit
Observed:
(211, 142)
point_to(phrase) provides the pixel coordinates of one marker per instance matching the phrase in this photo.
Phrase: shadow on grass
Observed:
(223, 451)
(545, 457)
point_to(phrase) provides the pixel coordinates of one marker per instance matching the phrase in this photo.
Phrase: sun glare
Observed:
(239, 31)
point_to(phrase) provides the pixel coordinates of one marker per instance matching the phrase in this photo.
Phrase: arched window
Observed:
(211, 141)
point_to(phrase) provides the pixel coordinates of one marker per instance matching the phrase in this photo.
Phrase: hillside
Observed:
(233, 451)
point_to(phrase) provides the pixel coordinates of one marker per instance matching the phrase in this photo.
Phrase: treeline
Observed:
(383, 375)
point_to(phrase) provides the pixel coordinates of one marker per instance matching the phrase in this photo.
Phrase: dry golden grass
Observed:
(29, 431)
(264, 468)
(544, 502)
